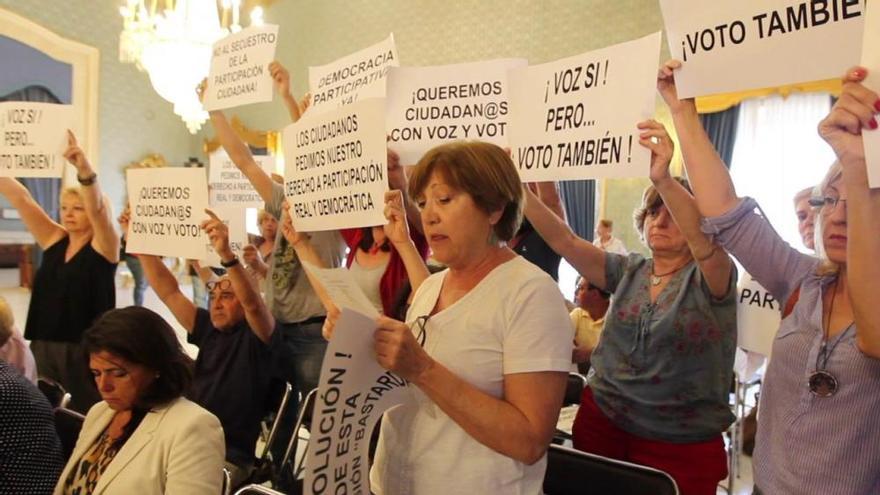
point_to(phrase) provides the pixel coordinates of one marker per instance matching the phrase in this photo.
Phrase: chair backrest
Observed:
(273, 432)
(290, 454)
(68, 425)
(256, 490)
(53, 391)
(572, 472)
(574, 387)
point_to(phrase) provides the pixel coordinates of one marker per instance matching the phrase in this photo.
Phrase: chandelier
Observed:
(172, 44)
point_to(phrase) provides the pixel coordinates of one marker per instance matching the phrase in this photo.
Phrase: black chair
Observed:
(54, 392)
(574, 387)
(68, 425)
(267, 468)
(572, 472)
(305, 415)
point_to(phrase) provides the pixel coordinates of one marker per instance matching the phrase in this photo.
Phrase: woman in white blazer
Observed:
(144, 437)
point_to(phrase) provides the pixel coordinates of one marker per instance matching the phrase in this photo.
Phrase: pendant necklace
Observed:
(822, 382)
(656, 278)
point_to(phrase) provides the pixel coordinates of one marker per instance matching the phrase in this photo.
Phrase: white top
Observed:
(513, 321)
(614, 245)
(368, 279)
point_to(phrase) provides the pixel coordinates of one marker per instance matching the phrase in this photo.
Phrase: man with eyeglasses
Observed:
(233, 374)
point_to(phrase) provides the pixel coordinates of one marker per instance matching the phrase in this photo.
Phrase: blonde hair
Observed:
(71, 191)
(803, 193)
(826, 267)
(7, 321)
(262, 215)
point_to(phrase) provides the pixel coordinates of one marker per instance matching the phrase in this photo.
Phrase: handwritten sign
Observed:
(229, 187)
(353, 392)
(336, 171)
(34, 138)
(353, 77)
(240, 68)
(576, 118)
(427, 106)
(167, 209)
(746, 44)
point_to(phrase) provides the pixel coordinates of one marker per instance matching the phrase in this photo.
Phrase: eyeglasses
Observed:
(420, 323)
(221, 285)
(827, 203)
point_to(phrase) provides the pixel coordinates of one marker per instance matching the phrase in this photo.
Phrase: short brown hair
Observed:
(651, 200)
(608, 224)
(484, 171)
(7, 321)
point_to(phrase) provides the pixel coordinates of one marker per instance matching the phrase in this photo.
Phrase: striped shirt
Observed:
(805, 444)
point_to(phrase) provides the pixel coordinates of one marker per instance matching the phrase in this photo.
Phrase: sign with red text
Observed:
(353, 77)
(576, 118)
(335, 167)
(353, 392)
(428, 106)
(871, 61)
(228, 186)
(167, 208)
(736, 45)
(240, 68)
(34, 138)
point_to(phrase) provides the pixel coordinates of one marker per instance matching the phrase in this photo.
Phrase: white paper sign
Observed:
(353, 77)
(758, 316)
(343, 290)
(736, 45)
(428, 106)
(229, 187)
(576, 118)
(34, 138)
(167, 209)
(353, 392)
(240, 68)
(871, 61)
(233, 217)
(335, 167)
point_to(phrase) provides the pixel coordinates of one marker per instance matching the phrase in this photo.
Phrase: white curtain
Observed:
(778, 152)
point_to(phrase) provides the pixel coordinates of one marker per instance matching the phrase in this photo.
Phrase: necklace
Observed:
(656, 278)
(823, 383)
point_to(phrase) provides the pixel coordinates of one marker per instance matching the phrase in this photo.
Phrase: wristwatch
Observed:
(87, 181)
(230, 263)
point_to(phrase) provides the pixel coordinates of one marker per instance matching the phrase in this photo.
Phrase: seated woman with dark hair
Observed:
(144, 437)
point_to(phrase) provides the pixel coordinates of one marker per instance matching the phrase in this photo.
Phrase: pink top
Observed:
(17, 353)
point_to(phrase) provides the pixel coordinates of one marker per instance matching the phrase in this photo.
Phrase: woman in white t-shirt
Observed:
(487, 345)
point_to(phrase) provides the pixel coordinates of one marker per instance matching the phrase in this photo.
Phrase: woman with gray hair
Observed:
(820, 403)
(658, 392)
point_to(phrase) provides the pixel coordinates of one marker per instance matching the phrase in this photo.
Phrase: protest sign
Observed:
(240, 68)
(758, 316)
(167, 209)
(34, 138)
(746, 44)
(233, 217)
(576, 118)
(228, 186)
(871, 61)
(341, 287)
(427, 106)
(353, 392)
(353, 77)
(335, 167)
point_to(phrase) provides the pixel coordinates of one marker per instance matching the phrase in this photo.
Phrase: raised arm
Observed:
(397, 180)
(712, 260)
(549, 195)
(282, 86)
(853, 115)
(238, 152)
(305, 251)
(397, 231)
(586, 258)
(45, 231)
(255, 310)
(709, 177)
(104, 238)
(164, 283)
